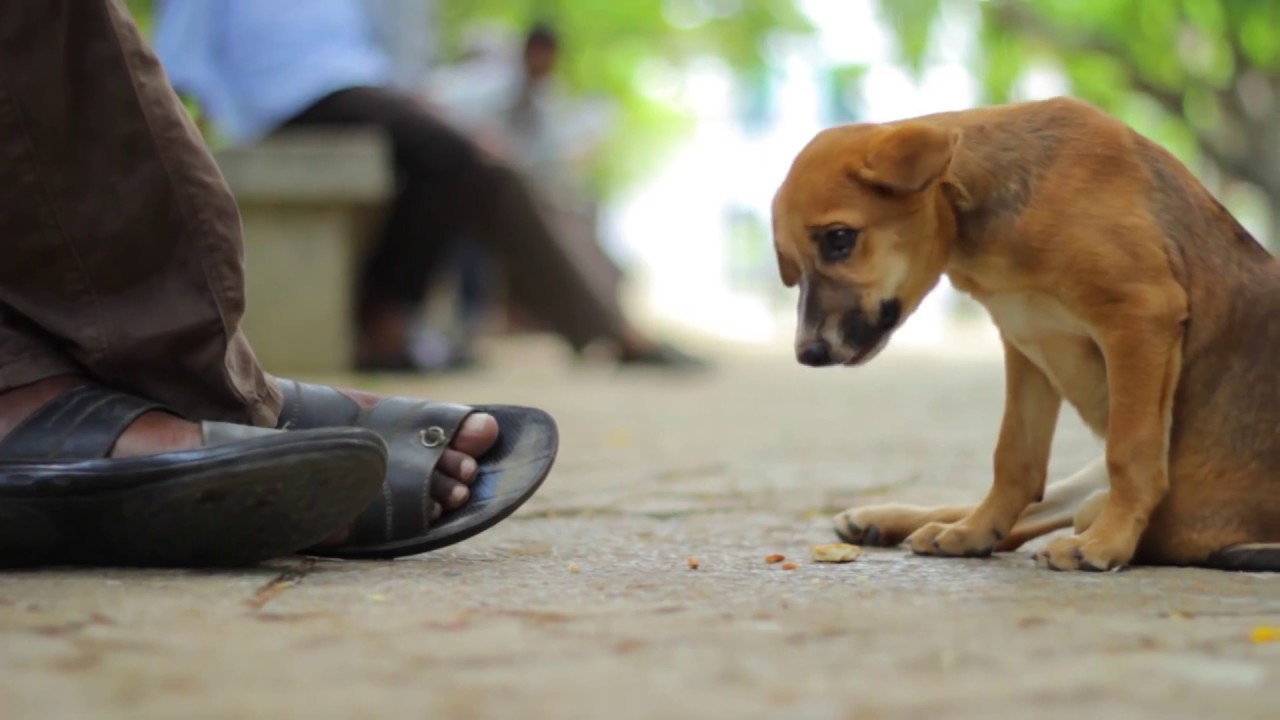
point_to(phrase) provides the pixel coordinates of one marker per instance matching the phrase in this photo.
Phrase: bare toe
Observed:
(459, 466)
(478, 433)
(448, 492)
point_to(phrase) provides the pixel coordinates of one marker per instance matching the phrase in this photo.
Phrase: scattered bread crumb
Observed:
(573, 568)
(774, 559)
(836, 553)
(789, 566)
(692, 563)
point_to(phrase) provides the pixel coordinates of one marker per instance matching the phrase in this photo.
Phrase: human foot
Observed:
(92, 475)
(452, 471)
(636, 350)
(455, 472)
(159, 432)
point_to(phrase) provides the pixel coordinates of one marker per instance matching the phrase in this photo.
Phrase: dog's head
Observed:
(862, 225)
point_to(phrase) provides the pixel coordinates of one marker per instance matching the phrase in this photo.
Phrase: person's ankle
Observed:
(157, 432)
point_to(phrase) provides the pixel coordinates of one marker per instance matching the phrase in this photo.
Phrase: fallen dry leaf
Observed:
(789, 566)
(774, 559)
(836, 553)
(1264, 634)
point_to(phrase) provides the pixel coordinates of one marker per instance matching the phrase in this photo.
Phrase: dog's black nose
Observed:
(815, 354)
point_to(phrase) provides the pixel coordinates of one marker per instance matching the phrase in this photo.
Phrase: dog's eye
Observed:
(835, 244)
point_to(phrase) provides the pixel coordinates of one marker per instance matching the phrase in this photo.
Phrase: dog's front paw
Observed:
(1082, 552)
(953, 540)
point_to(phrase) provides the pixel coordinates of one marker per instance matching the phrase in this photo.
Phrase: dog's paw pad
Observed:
(1081, 555)
(854, 533)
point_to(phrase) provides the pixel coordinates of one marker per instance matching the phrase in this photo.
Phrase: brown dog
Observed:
(1117, 282)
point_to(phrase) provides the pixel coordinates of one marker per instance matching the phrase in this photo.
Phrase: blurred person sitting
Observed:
(504, 93)
(257, 68)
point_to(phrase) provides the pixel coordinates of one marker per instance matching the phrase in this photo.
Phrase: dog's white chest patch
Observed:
(1058, 343)
(1030, 318)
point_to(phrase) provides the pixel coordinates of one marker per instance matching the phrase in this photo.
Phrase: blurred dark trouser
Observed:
(446, 187)
(122, 254)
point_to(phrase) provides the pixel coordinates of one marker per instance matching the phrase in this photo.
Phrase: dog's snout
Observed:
(814, 354)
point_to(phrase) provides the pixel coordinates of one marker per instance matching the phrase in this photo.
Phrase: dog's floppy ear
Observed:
(906, 158)
(787, 268)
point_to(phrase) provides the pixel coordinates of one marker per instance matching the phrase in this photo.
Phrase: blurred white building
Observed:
(696, 236)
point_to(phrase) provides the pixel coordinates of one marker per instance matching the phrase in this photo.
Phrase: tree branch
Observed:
(1019, 18)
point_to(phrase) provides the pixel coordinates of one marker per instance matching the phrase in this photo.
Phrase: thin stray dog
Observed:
(1117, 282)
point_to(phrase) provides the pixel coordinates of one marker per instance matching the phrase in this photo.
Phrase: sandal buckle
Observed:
(433, 437)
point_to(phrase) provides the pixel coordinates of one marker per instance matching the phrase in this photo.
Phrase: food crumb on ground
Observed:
(836, 553)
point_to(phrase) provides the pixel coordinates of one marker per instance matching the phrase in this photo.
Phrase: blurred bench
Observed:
(309, 201)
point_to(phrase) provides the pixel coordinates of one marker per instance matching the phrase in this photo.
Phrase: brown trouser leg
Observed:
(120, 247)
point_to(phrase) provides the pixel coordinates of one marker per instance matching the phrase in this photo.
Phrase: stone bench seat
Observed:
(308, 201)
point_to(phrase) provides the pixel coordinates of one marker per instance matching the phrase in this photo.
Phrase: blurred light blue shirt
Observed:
(254, 64)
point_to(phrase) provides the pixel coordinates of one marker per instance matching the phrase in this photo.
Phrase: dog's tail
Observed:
(1254, 557)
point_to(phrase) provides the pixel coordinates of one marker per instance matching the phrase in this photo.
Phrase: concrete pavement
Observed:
(583, 605)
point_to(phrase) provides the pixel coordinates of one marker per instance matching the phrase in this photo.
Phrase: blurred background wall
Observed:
(676, 119)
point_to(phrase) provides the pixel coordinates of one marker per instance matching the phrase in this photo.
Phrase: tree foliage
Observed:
(1200, 76)
(610, 48)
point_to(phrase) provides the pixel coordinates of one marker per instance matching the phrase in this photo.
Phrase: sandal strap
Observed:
(311, 406)
(83, 423)
(417, 432)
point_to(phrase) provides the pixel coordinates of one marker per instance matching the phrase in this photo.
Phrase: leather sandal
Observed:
(248, 495)
(417, 433)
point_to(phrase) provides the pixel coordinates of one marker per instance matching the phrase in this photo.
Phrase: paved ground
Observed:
(582, 606)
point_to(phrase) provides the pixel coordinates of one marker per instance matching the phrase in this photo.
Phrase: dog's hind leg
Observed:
(889, 525)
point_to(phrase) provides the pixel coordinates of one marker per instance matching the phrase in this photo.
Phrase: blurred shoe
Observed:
(429, 352)
(661, 355)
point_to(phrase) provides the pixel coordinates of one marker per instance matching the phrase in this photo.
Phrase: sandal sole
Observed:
(233, 505)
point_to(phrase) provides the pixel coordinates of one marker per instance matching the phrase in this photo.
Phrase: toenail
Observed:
(458, 494)
(432, 437)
